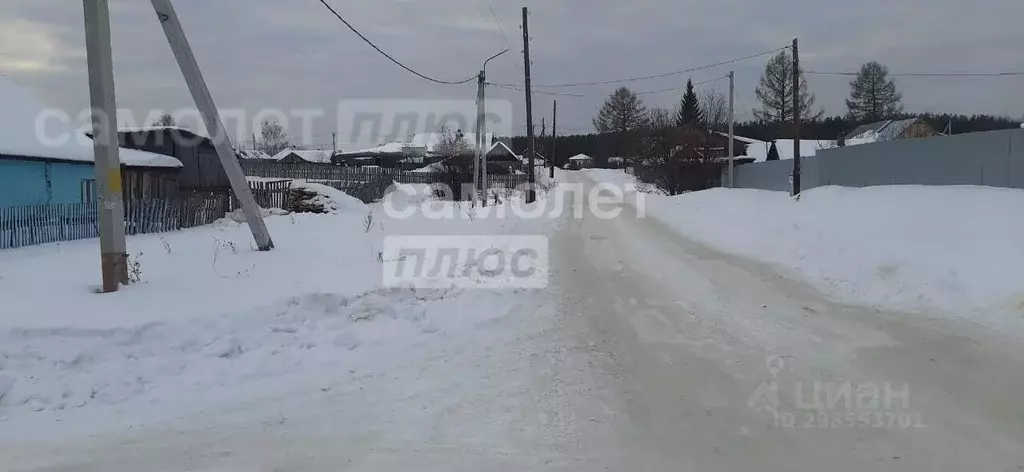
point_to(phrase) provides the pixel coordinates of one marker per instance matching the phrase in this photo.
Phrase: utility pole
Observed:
(478, 161)
(796, 117)
(732, 124)
(211, 118)
(531, 194)
(554, 139)
(481, 130)
(113, 255)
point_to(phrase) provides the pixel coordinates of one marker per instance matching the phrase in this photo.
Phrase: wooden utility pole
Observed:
(796, 117)
(211, 118)
(531, 193)
(554, 139)
(113, 252)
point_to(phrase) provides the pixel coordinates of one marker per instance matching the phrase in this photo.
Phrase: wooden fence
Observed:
(365, 183)
(40, 224)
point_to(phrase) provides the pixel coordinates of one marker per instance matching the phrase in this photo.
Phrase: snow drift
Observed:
(904, 247)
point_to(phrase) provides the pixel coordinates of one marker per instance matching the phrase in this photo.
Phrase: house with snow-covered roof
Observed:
(580, 161)
(46, 161)
(890, 130)
(302, 155)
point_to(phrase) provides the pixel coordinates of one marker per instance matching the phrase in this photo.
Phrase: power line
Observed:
(392, 59)
(498, 22)
(927, 74)
(520, 88)
(682, 87)
(666, 74)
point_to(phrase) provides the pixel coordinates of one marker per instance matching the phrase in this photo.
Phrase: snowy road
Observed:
(696, 340)
(649, 352)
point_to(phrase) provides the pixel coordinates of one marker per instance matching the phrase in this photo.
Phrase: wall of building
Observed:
(201, 167)
(992, 158)
(25, 182)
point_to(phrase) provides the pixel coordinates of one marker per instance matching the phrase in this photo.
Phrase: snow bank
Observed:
(330, 198)
(216, 326)
(161, 363)
(955, 248)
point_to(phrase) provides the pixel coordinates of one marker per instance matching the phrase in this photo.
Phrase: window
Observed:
(88, 190)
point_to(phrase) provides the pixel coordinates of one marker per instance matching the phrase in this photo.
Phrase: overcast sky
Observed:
(291, 54)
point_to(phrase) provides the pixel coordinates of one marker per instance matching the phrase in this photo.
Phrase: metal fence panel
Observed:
(993, 158)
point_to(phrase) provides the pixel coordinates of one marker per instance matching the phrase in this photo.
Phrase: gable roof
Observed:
(885, 130)
(56, 140)
(311, 155)
(504, 149)
(431, 140)
(253, 154)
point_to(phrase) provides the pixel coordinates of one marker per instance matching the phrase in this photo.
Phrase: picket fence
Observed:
(39, 224)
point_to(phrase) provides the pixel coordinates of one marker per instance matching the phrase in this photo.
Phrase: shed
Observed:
(201, 169)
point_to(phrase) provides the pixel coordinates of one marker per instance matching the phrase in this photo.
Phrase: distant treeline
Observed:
(599, 146)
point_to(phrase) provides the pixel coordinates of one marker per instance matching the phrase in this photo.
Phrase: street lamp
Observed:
(481, 131)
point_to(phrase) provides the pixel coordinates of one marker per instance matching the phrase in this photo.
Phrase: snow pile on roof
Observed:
(431, 140)
(147, 129)
(19, 136)
(758, 150)
(580, 157)
(253, 154)
(311, 155)
(892, 246)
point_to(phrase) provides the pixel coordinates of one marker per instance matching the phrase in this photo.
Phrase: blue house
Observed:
(44, 161)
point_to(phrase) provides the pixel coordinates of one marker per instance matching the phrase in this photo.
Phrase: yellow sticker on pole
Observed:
(114, 180)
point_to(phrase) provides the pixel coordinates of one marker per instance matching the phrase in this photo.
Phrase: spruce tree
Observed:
(689, 109)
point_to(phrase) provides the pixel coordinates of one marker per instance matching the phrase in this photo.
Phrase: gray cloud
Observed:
(293, 54)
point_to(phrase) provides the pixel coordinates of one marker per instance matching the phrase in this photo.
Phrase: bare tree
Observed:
(456, 171)
(715, 107)
(679, 159)
(451, 143)
(165, 120)
(274, 138)
(775, 92)
(621, 112)
(660, 118)
(873, 94)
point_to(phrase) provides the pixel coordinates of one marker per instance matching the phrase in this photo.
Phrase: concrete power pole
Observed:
(478, 161)
(732, 125)
(113, 255)
(483, 144)
(208, 109)
(531, 194)
(796, 118)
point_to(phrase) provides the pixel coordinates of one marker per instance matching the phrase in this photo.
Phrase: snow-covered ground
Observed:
(645, 352)
(218, 334)
(954, 249)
